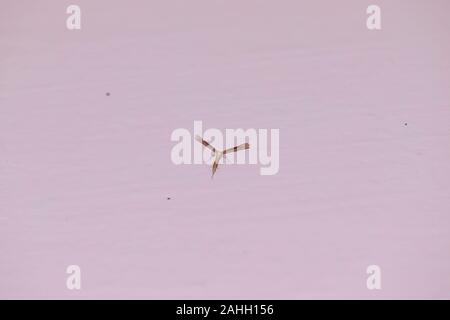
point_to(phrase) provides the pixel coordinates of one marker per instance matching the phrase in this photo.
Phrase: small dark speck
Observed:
(168, 198)
(108, 94)
(406, 124)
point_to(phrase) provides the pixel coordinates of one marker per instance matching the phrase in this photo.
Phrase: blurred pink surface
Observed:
(84, 177)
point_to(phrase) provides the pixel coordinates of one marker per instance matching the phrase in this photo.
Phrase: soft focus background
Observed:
(364, 149)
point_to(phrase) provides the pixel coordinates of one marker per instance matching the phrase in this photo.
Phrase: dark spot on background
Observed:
(108, 94)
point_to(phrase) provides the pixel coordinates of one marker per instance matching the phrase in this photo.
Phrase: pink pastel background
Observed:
(364, 119)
